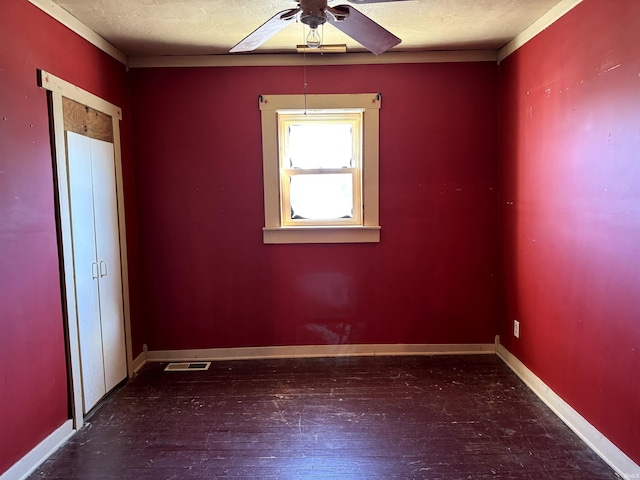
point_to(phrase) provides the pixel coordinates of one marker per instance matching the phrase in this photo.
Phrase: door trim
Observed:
(60, 88)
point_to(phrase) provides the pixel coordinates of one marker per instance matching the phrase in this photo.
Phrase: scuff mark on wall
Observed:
(610, 69)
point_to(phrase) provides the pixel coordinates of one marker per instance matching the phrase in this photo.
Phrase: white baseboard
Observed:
(600, 444)
(139, 362)
(32, 460)
(309, 351)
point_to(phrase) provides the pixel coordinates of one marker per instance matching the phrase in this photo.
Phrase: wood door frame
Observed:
(59, 88)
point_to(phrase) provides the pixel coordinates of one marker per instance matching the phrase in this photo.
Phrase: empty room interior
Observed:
(472, 235)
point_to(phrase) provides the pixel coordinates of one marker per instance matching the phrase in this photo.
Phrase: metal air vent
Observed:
(187, 366)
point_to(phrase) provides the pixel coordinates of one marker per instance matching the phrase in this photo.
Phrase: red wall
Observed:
(33, 379)
(571, 176)
(569, 172)
(210, 282)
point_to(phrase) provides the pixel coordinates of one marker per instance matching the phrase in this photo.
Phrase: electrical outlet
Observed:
(516, 328)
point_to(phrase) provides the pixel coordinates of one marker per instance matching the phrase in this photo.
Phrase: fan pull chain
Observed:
(304, 68)
(304, 71)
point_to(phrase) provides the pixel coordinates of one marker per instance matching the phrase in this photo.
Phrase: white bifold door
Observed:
(97, 268)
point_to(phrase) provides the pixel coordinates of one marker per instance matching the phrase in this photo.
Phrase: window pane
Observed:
(321, 197)
(316, 145)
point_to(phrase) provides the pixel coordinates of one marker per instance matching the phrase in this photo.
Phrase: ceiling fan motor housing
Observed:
(313, 12)
(313, 19)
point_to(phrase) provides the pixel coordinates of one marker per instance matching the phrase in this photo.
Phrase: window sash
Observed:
(356, 213)
(285, 120)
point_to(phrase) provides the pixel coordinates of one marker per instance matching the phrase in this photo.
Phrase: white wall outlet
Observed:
(516, 328)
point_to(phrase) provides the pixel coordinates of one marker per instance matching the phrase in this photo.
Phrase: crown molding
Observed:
(544, 22)
(286, 59)
(72, 23)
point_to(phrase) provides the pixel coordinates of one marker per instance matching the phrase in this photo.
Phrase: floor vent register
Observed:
(187, 366)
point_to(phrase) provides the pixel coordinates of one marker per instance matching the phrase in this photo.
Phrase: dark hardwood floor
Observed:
(439, 417)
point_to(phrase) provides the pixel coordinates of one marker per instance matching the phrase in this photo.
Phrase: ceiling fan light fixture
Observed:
(313, 18)
(313, 38)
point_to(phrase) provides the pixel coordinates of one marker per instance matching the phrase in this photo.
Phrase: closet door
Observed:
(105, 207)
(86, 268)
(97, 268)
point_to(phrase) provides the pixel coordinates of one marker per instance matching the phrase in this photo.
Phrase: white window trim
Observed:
(274, 231)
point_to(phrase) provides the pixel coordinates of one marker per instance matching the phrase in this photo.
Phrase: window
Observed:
(320, 167)
(320, 174)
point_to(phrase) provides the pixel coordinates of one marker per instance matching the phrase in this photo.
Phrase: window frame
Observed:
(275, 230)
(287, 118)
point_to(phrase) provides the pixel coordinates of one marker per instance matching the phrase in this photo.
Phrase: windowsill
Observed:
(329, 234)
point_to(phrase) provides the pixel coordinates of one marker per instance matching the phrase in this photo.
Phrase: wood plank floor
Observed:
(443, 417)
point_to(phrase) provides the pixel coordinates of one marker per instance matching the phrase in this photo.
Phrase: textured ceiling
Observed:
(199, 27)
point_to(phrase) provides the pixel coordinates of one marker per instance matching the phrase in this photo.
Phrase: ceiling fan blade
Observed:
(265, 31)
(363, 30)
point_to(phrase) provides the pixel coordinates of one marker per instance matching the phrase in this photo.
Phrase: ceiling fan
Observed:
(315, 13)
